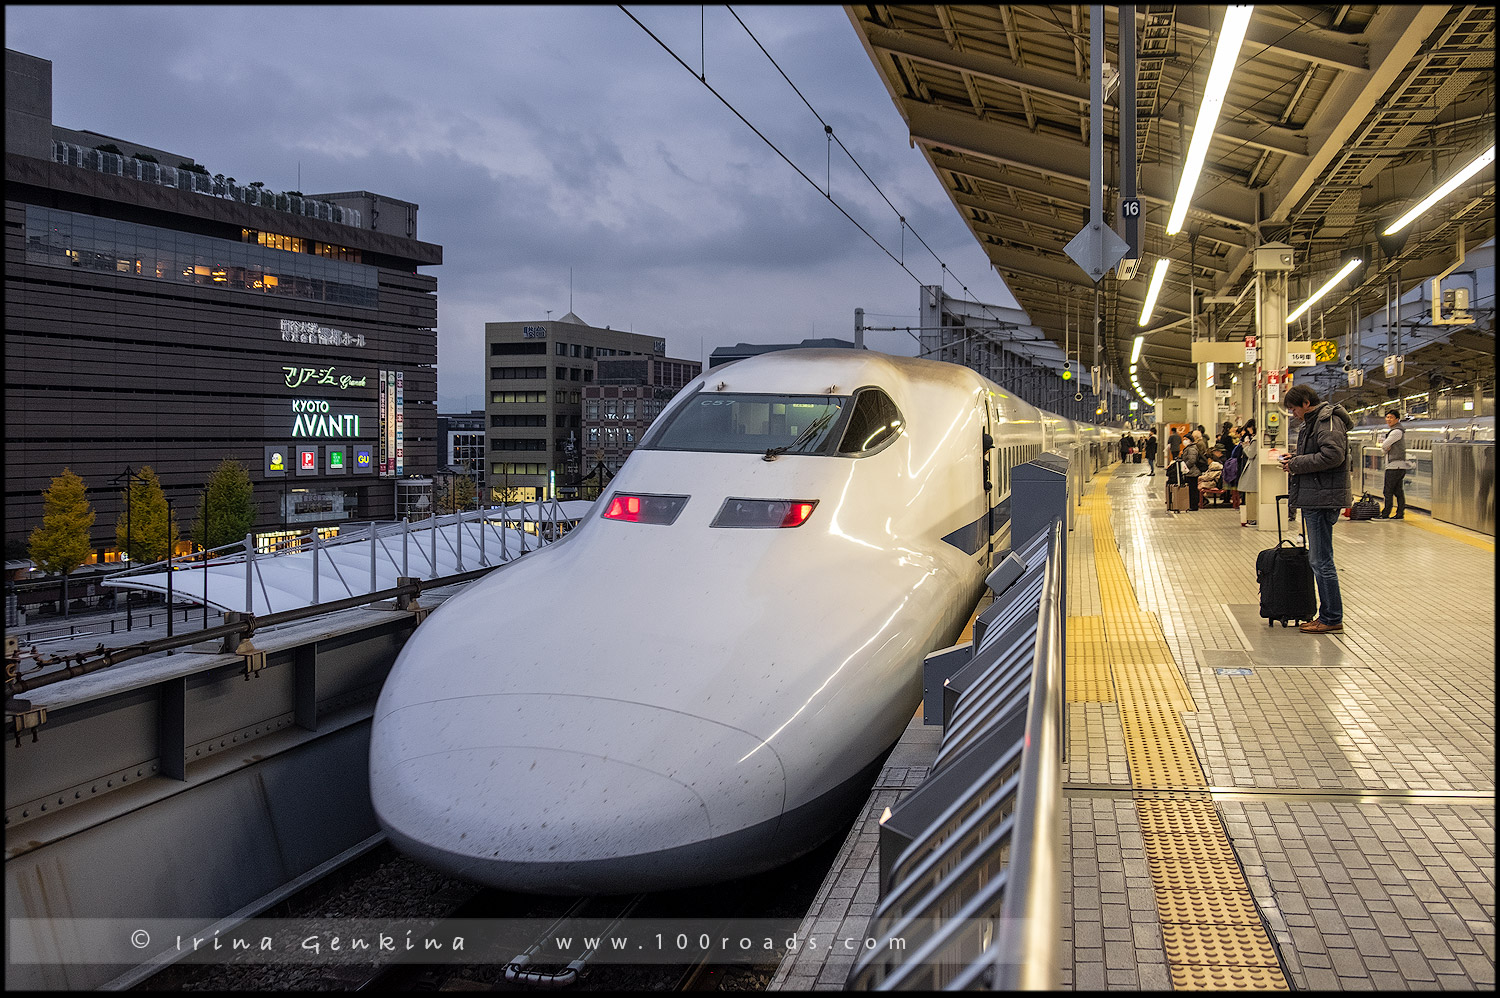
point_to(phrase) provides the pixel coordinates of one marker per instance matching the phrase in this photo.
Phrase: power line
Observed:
(828, 130)
(827, 194)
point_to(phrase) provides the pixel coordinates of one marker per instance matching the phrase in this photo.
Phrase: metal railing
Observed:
(972, 889)
(238, 627)
(437, 546)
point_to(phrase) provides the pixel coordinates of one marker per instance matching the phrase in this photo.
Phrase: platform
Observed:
(1247, 806)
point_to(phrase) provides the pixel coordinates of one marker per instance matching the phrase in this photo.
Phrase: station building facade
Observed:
(157, 315)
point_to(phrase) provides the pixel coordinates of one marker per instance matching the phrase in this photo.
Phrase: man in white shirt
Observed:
(1396, 466)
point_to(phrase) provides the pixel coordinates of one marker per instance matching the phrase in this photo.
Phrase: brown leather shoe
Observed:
(1318, 627)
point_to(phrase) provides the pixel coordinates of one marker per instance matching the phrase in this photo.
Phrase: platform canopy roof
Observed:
(1336, 120)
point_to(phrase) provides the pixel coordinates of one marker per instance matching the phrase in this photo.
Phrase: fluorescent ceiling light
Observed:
(1132, 368)
(1332, 283)
(1157, 276)
(1135, 351)
(1481, 161)
(1231, 34)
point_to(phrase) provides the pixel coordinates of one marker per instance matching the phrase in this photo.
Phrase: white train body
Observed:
(651, 705)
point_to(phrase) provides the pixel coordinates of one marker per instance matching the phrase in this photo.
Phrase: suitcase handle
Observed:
(1288, 499)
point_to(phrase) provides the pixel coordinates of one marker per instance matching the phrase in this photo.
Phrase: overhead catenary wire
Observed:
(759, 134)
(833, 137)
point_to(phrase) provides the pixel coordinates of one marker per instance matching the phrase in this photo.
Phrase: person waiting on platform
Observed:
(1190, 451)
(1396, 466)
(1249, 481)
(1150, 448)
(1318, 485)
(1225, 442)
(1213, 477)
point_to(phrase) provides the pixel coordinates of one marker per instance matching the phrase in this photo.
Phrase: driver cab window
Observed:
(874, 422)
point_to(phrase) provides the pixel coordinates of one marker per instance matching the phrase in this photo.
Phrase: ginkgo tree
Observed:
(145, 526)
(61, 543)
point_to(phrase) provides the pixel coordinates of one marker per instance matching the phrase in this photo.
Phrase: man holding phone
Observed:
(1318, 484)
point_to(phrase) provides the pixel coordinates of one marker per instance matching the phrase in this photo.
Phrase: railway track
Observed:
(385, 885)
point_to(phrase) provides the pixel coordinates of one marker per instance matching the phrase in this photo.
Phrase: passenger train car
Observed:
(703, 678)
(1421, 434)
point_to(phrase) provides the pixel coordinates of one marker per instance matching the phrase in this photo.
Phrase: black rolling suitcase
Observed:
(1287, 590)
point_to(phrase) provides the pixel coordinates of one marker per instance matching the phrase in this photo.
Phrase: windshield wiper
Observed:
(812, 430)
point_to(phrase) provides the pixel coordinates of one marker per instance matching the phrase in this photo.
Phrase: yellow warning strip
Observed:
(1088, 662)
(1213, 935)
(1448, 530)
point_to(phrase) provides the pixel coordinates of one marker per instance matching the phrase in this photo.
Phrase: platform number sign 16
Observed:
(1130, 208)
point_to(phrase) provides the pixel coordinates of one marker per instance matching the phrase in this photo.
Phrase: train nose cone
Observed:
(558, 794)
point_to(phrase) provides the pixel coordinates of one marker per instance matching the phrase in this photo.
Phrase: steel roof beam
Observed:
(1310, 44)
(1396, 34)
(1226, 201)
(1272, 138)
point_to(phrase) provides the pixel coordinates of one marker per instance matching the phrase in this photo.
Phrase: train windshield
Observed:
(752, 424)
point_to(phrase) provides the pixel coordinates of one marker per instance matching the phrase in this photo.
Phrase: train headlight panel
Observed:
(661, 510)
(764, 512)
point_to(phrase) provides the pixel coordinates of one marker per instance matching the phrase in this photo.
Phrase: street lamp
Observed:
(129, 476)
(169, 566)
(205, 557)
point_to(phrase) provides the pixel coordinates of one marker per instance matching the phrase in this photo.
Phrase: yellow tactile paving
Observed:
(1226, 978)
(1213, 945)
(1212, 933)
(1195, 906)
(1088, 662)
(1151, 683)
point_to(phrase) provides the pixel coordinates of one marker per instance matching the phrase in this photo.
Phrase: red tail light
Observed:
(644, 508)
(764, 512)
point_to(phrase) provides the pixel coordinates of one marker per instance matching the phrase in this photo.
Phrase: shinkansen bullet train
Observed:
(700, 680)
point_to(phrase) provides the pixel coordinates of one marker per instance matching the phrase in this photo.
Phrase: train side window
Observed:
(874, 422)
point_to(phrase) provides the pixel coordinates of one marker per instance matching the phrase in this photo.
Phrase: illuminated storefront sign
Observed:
(313, 334)
(336, 460)
(296, 377)
(364, 459)
(307, 460)
(276, 461)
(314, 419)
(392, 423)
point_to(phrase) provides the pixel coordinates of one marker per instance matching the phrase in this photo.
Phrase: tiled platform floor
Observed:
(1355, 773)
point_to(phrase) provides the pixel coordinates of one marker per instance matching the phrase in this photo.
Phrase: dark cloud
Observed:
(542, 140)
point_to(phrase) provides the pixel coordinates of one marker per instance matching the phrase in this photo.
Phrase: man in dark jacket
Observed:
(1150, 449)
(1318, 484)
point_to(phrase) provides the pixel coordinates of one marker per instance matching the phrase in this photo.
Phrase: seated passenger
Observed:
(1210, 478)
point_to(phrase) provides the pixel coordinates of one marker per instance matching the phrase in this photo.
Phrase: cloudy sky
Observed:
(543, 140)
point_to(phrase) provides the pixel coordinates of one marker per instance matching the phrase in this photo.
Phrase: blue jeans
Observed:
(1319, 526)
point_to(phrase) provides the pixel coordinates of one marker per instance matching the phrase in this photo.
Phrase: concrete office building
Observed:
(158, 315)
(627, 395)
(537, 373)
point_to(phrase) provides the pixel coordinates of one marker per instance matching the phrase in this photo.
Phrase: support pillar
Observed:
(1208, 403)
(1270, 331)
